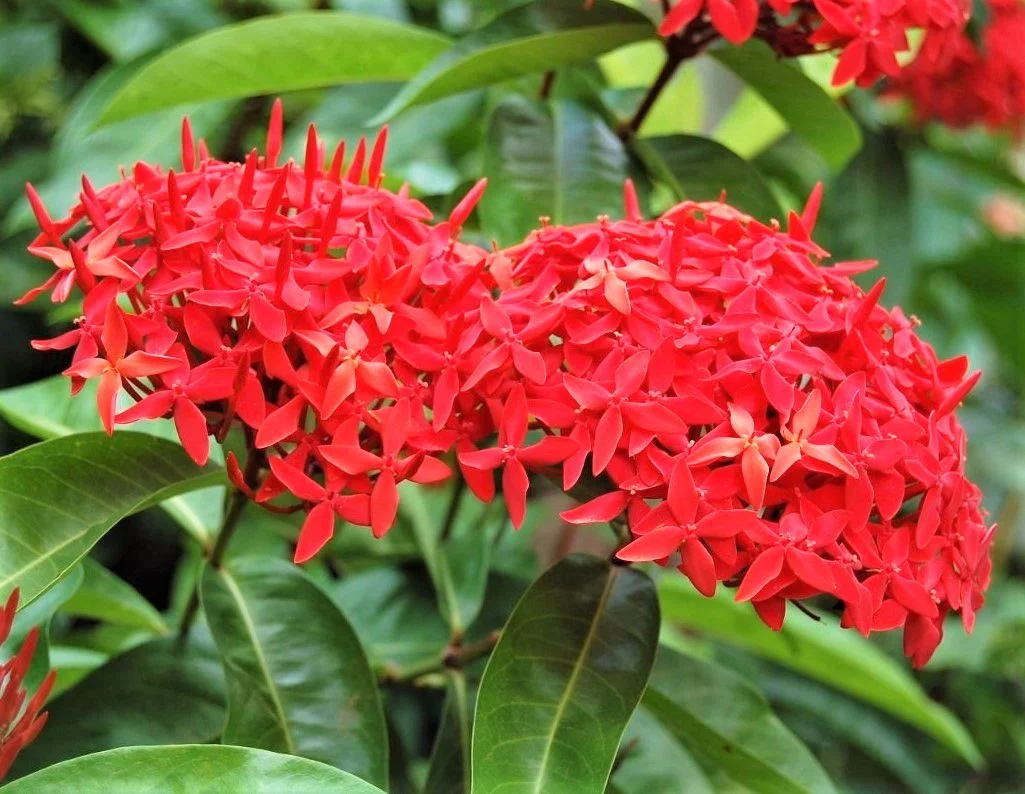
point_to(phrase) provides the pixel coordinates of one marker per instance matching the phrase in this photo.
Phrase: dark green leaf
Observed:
(841, 658)
(700, 169)
(807, 109)
(449, 770)
(533, 38)
(59, 497)
(105, 597)
(564, 679)
(72, 665)
(196, 769)
(274, 54)
(653, 760)
(153, 694)
(557, 159)
(298, 680)
(726, 724)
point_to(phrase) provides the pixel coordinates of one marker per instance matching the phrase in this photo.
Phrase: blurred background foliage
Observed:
(943, 211)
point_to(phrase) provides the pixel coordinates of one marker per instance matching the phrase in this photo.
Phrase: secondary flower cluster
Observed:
(757, 418)
(868, 34)
(20, 722)
(963, 81)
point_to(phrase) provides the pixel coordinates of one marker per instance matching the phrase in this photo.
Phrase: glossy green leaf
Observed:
(59, 497)
(106, 597)
(727, 725)
(156, 693)
(564, 679)
(701, 170)
(298, 680)
(653, 760)
(557, 159)
(72, 665)
(807, 109)
(534, 37)
(838, 657)
(196, 769)
(449, 770)
(274, 54)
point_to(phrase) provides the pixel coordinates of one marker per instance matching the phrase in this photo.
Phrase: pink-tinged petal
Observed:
(495, 321)
(141, 365)
(318, 528)
(431, 471)
(698, 566)
(787, 456)
(340, 386)
(778, 390)
(384, 504)
(599, 510)
(106, 399)
(741, 421)
(655, 545)
(349, 459)
(301, 486)
(268, 319)
(755, 470)
(607, 435)
(827, 453)
(713, 449)
(806, 418)
(631, 373)
(811, 569)
(653, 418)
(766, 567)
(62, 342)
(483, 459)
(190, 423)
(201, 234)
(617, 294)
(87, 368)
(530, 364)
(912, 595)
(514, 488)
(730, 523)
(281, 423)
(548, 451)
(379, 377)
(114, 334)
(587, 393)
(152, 406)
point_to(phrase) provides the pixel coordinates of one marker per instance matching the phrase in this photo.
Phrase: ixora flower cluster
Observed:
(868, 34)
(967, 80)
(20, 721)
(748, 411)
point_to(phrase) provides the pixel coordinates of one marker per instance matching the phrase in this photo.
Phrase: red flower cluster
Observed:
(759, 420)
(20, 722)
(961, 82)
(869, 34)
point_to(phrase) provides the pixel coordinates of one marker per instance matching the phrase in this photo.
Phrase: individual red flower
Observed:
(21, 717)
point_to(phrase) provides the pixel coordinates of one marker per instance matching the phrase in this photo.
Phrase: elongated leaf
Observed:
(449, 770)
(564, 679)
(727, 725)
(807, 109)
(156, 693)
(653, 760)
(45, 409)
(701, 170)
(822, 650)
(59, 497)
(196, 769)
(106, 597)
(274, 54)
(298, 680)
(557, 159)
(535, 37)
(72, 665)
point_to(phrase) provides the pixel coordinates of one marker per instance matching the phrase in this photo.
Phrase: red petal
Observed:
(190, 423)
(317, 530)
(514, 487)
(656, 545)
(281, 423)
(603, 508)
(766, 567)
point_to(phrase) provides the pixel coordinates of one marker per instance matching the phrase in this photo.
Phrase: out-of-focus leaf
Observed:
(157, 693)
(564, 679)
(841, 658)
(557, 159)
(653, 760)
(727, 725)
(700, 169)
(72, 665)
(197, 769)
(274, 54)
(106, 597)
(534, 37)
(806, 108)
(298, 680)
(128, 28)
(449, 770)
(59, 497)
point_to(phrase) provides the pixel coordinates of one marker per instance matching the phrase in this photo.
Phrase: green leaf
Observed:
(700, 169)
(557, 159)
(298, 680)
(449, 770)
(563, 680)
(727, 725)
(535, 37)
(822, 650)
(106, 597)
(196, 769)
(807, 109)
(652, 760)
(279, 53)
(156, 693)
(72, 665)
(59, 497)
(46, 409)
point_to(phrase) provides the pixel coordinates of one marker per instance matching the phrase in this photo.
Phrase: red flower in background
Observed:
(21, 719)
